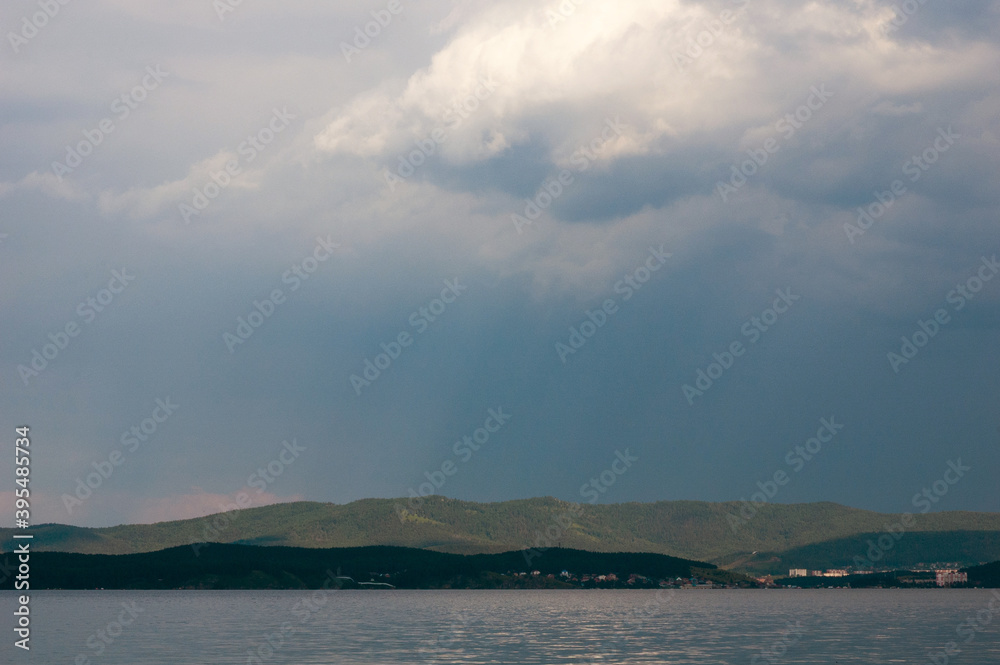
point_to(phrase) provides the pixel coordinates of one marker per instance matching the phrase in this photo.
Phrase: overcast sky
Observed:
(689, 173)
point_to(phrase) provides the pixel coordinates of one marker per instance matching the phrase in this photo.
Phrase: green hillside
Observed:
(686, 529)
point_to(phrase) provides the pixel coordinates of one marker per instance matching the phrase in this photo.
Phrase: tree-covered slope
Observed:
(864, 551)
(223, 566)
(688, 529)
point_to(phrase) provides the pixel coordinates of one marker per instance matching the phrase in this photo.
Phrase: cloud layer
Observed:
(536, 154)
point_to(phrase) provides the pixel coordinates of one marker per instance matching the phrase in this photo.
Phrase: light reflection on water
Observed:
(473, 627)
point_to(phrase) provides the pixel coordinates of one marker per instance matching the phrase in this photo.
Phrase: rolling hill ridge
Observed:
(778, 536)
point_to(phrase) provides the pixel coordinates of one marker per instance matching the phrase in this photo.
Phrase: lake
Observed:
(686, 626)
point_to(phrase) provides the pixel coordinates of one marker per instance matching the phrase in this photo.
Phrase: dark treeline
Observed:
(226, 566)
(987, 575)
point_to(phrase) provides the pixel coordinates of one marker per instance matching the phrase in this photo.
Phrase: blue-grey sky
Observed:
(802, 184)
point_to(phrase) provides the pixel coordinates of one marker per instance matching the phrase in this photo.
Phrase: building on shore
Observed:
(948, 577)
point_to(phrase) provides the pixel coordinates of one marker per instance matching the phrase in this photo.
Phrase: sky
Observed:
(321, 251)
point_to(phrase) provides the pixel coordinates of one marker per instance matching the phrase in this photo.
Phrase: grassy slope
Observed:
(689, 529)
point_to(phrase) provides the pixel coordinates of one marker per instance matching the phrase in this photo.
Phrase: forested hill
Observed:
(688, 529)
(222, 566)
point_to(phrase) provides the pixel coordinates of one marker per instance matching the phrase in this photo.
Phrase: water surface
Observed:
(473, 627)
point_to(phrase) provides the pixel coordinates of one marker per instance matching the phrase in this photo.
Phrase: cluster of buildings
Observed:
(633, 580)
(830, 572)
(949, 577)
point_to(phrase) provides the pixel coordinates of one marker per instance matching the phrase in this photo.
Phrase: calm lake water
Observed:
(722, 626)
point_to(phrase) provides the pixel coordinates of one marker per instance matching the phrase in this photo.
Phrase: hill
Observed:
(252, 567)
(914, 550)
(686, 529)
(987, 575)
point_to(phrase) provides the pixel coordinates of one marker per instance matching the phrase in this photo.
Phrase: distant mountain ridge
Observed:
(688, 529)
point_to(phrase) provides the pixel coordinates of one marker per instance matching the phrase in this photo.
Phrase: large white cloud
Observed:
(673, 70)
